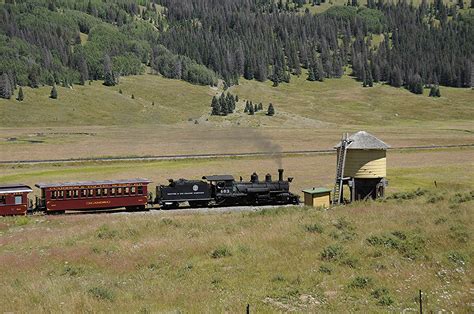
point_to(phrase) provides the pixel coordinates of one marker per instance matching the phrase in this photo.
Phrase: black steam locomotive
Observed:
(224, 190)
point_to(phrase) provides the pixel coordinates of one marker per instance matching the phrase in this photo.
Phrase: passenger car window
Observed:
(18, 200)
(3, 200)
(140, 190)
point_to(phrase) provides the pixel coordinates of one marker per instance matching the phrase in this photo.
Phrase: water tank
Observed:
(366, 156)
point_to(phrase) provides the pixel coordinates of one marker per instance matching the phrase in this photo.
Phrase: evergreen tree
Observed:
(83, 71)
(215, 106)
(415, 84)
(434, 91)
(271, 110)
(251, 110)
(5, 86)
(54, 92)
(260, 106)
(255, 108)
(21, 96)
(109, 79)
(396, 77)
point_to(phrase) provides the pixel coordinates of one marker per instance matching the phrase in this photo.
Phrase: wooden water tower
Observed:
(361, 166)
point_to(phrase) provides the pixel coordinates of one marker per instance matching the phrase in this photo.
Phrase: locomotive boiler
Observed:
(224, 190)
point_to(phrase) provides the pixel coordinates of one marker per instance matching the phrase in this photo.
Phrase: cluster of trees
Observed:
(224, 104)
(251, 108)
(267, 39)
(47, 42)
(69, 42)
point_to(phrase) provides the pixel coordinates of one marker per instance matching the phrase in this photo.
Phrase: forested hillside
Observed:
(200, 41)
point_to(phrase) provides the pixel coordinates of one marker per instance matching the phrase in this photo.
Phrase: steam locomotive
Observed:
(224, 190)
(132, 194)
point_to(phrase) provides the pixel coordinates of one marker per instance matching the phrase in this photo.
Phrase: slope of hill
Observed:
(165, 101)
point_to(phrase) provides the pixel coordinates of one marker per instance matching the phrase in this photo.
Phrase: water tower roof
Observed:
(364, 140)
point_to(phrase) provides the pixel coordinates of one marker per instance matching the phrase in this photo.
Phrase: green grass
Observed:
(345, 101)
(339, 101)
(99, 105)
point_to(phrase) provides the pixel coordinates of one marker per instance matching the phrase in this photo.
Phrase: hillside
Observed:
(300, 102)
(72, 42)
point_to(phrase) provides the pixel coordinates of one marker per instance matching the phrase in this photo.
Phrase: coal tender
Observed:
(224, 190)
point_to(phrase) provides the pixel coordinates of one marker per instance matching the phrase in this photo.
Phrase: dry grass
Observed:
(168, 262)
(77, 142)
(406, 170)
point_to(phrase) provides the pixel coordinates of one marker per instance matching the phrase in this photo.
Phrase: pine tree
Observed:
(434, 91)
(251, 110)
(215, 106)
(5, 86)
(54, 92)
(271, 110)
(223, 105)
(260, 106)
(255, 108)
(415, 84)
(396, 77)
(133, 96)
(109, 79)
(21, 96)
(83, 71)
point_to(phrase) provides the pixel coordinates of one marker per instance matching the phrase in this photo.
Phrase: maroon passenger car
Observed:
(14, 199)
(92, 195)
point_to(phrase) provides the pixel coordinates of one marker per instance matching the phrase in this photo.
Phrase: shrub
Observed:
(345, 230)
(105, 233)
(409, 245)
(434, 199)
(314, 228)
(333, 253)
(382, 295)
(278, 278)
(325, 269)
(457, 258)
(459, 233)
(22, 220)
(72, 271)
(462, 197)
(408, 195)
(360, 282)
(352, 262)
(221, 252)
(102, 293)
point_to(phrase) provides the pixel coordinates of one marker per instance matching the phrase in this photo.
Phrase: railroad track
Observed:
(207, 156)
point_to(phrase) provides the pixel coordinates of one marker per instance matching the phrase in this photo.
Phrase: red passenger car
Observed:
(92, 195)
(14, 199)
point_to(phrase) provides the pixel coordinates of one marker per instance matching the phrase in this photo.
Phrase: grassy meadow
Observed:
(367, 257)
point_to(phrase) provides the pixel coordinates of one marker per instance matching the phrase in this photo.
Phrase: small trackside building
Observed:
(131, 194)
(317, 197)
(14, 199)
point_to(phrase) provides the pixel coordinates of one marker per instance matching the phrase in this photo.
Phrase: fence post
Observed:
(421, 303)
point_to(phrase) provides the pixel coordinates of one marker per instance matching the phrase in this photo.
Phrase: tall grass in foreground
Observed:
(369, 257)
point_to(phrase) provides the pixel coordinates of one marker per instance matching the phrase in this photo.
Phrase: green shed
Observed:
(317, 197)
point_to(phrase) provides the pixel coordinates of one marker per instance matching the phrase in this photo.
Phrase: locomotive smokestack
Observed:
(280, 174)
